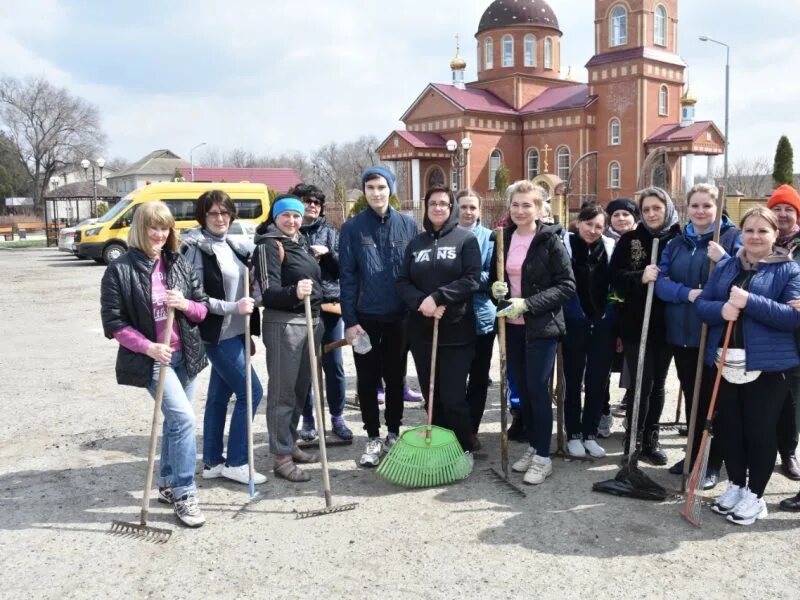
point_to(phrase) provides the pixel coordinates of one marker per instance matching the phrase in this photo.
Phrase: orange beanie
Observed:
(785, 194)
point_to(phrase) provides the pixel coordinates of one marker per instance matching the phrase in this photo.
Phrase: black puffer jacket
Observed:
(125, 300)
(445, 265)
(322, 233)
(547, 280)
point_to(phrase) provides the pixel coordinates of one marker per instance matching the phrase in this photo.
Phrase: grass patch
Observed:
(24, 244)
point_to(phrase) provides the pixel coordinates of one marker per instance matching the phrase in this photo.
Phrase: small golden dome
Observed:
(687, 99)
(458, 63)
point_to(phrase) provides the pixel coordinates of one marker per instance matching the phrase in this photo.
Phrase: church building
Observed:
(631, 125)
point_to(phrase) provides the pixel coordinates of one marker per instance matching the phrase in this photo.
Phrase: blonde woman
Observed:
(136, 293)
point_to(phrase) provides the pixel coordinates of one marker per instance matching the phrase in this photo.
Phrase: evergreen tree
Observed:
(501, 181)
(783, 170)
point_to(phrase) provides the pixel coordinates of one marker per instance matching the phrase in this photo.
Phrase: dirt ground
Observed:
(73, 454)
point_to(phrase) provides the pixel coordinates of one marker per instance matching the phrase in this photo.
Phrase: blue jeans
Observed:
(588, 353)
(333, 366)
(227, 378)
(531, 365)
(178, 443)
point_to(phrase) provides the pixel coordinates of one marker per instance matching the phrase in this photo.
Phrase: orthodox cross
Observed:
(546, 150)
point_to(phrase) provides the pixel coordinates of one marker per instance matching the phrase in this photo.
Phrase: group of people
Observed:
(382, 284)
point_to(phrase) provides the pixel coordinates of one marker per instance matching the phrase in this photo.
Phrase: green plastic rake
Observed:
(428, 455)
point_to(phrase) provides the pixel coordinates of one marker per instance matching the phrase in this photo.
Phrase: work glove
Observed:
(515, 309)
(499, 290)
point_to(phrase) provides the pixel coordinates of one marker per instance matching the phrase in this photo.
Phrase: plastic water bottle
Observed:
(361, 343)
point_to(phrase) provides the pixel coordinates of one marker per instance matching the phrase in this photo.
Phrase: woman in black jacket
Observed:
(137, 291)
(539, 276)
(440, 273)
(631, 272)
(287, 272)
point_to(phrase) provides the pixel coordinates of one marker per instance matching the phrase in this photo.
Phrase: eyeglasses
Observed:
(215, 215)
(312, 201)
(439, 205)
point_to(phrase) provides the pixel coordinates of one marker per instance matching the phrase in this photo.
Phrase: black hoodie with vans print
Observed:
(446, 265)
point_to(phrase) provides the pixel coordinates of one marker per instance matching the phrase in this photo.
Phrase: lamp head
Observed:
(100, 162)
(85, 164)
(466, 144)
(451, 146)
(703, 38)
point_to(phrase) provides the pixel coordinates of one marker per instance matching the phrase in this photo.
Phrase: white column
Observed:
(688, 172)
(712, 167)
(416, 186)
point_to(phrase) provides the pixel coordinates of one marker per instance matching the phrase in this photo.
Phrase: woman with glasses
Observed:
(222, 265)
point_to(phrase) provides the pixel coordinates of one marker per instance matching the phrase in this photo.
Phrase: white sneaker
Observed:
(372, 453)
(594, 449)
(748, 510)
(538, 471)
(728, 500)
(241, 474)
(604, 428)
(213, 472)
(575, 448)
(470, 461)
(524, 463)
(187, 511)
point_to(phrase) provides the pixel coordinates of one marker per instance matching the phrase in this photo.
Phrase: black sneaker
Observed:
(165, 495)
(188, 511)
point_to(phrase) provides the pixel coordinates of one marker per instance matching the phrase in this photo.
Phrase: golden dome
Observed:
(687, 99)
(458, 63)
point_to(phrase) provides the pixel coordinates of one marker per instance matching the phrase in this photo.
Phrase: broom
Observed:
(691, 510)
(427, 455)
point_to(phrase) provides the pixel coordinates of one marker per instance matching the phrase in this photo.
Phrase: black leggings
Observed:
(748, 417)
(657, 357)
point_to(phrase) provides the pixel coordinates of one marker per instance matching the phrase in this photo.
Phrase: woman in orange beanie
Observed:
(785, 205)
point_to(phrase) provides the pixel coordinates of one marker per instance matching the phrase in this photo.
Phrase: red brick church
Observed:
(632, 124)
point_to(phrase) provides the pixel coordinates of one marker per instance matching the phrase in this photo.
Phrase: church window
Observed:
(614, 132)
(495, 162)
(619, 26)
(489, 53)
(530, 50)
(663, 101)
(508, 51)
(563, 162)
(548, 53)
(614, 175)
(660, 26)
(533, 163)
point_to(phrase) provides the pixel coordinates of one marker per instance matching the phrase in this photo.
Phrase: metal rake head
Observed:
(156, 535)
(509, 485)
(320, 512)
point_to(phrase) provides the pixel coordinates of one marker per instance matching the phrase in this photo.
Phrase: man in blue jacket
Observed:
(371, 249)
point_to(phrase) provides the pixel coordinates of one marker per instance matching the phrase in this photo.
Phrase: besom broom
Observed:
(428, 455)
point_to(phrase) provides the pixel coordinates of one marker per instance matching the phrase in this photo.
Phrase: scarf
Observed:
(788, 241)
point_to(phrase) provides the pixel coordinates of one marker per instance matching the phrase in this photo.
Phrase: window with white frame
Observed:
(548, 53)
(488, 53)
(533, 163)
(495, 162)
(530, 50)
(614, 132)
(508, 51)
(563, 162)
(619, 26)
(660, 26)
(614, 175)
(663, 101)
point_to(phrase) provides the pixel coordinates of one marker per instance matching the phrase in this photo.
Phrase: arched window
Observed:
(663, 101)
(488, 54)
(614, 132)
(533, 163)
(660, 26)
(495, 162)
(563, 162)
(508, 51)
(614, 175)
(530, 50)
(548, 53)
(619, 26)
(435, 177)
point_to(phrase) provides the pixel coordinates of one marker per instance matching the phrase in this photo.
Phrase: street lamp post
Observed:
(705, 38)
(191, 158)
(86, 163)
(458, 157)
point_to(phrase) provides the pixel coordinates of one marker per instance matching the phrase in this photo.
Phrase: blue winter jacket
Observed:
(769, 323)
(371, 249)
(482, 305)
(684, 267)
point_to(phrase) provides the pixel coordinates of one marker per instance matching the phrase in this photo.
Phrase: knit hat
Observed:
(288, 203)
(625, 204)
(785, 194)
(383, 172)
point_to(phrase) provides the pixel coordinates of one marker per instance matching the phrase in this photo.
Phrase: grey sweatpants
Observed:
(289, 374)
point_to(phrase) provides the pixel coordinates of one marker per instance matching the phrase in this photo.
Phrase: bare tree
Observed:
(336, 164)
(48, 126)
(750, 176)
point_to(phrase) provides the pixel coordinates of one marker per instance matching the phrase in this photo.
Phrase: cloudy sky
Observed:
(281, 75)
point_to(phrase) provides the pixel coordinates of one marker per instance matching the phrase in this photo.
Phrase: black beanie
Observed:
(623, 204)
